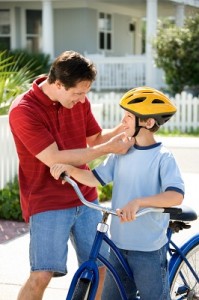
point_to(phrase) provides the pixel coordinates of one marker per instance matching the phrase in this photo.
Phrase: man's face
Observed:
(69, 97)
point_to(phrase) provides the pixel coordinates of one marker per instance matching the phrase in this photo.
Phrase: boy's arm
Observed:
(165, 199)
(85, 177)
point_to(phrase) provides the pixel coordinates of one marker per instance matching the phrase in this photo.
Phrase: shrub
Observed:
(17, 70)
(39, 63)
(10, 208)
(13, 80)
(176, 52)
(10, 202)
(105, 192)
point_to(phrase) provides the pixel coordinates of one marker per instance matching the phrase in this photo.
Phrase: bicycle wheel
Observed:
(82, 289)
(184, 285)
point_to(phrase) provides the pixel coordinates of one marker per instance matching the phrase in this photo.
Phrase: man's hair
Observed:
(70, 68)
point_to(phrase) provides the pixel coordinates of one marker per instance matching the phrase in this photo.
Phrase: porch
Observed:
(124, 73)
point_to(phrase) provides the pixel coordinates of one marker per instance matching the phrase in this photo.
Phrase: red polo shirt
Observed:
(36, 122)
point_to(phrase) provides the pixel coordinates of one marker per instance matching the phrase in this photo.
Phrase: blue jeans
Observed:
(150, 276)
(50, 232)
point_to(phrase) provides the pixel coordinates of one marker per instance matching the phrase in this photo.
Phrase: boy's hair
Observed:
(70, 68)
(155, 126)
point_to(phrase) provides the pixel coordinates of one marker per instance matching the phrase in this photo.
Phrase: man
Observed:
(52, 122)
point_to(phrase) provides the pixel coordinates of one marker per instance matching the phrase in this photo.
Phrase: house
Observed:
(109, 30)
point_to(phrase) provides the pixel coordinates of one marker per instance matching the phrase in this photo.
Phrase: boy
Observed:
(147, 176)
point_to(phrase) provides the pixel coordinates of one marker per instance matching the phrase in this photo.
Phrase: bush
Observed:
(17, 71)
(39, 63)
(176, 52)
(10, 208)
(105, 192)
(13, 80)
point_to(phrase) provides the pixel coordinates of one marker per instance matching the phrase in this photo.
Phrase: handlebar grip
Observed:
(62, 176)
(172, 210)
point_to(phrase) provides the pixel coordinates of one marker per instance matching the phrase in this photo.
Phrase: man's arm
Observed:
(76, 157)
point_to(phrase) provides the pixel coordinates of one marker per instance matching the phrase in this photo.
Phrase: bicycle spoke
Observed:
(185, 285)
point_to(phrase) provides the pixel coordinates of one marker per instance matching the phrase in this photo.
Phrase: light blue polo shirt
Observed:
(143, 171)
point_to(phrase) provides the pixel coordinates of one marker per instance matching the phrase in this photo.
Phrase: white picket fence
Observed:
(8, 156)
(108, 112)
(185, 120)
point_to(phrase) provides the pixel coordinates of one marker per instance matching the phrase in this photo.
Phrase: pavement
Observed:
(14, 263)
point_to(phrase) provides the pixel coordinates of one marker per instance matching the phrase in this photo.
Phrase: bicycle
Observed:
(183, 261)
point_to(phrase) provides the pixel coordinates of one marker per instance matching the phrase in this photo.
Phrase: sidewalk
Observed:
(14, 264)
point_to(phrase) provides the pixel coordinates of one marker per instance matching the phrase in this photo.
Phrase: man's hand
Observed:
(120, 144)
(57, 169)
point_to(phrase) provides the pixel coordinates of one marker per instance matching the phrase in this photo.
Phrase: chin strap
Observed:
(137, 126)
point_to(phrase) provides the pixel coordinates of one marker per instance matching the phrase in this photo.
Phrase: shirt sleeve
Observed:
(170, 175)
(29, 130)
(105, 171)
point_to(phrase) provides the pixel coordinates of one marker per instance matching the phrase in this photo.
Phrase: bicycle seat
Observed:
(187, 214)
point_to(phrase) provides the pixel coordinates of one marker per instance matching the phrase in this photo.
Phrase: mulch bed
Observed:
(11, 229)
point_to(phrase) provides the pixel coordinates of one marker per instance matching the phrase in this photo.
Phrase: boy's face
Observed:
(128, 122)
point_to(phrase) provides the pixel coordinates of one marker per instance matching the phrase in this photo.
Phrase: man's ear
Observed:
(150, 123)
(58, 84)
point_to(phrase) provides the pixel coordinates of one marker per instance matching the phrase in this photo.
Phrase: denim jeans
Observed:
(50, 232)
(150, 276)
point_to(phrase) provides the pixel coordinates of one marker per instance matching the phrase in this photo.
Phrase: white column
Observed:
(151, 27)
(180, 15)
(47, 28)
(138, 37)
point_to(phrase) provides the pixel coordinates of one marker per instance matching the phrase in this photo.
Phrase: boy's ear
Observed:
(150, 123)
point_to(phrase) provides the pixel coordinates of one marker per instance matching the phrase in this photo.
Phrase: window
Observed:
(5, 29)
(105, 31)
(33, 30)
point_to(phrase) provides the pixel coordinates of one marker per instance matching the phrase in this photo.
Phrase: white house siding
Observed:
(75, 29)
(123, 38)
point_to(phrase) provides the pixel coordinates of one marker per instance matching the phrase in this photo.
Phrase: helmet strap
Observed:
(137, 126)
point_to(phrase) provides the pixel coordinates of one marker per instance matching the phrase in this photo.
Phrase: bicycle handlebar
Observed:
(63, 176)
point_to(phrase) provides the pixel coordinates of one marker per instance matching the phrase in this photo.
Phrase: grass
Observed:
(193, 133)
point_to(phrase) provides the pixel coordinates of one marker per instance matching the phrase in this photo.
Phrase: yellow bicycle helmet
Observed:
(146, 102)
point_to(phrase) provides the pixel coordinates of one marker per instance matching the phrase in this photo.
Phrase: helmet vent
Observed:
(137, 100)
(158, 101)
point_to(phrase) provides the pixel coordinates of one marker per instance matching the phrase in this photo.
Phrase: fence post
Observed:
(8, 155)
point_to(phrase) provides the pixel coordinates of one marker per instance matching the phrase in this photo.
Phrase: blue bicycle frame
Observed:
(89, 270)
(180, 255)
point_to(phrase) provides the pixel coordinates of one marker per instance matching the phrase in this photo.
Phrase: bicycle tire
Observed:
(190, 290)
(82, 290)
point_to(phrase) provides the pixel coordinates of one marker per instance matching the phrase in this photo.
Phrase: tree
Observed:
(177, 53)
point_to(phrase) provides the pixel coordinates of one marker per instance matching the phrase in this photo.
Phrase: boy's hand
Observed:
(128, 212)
